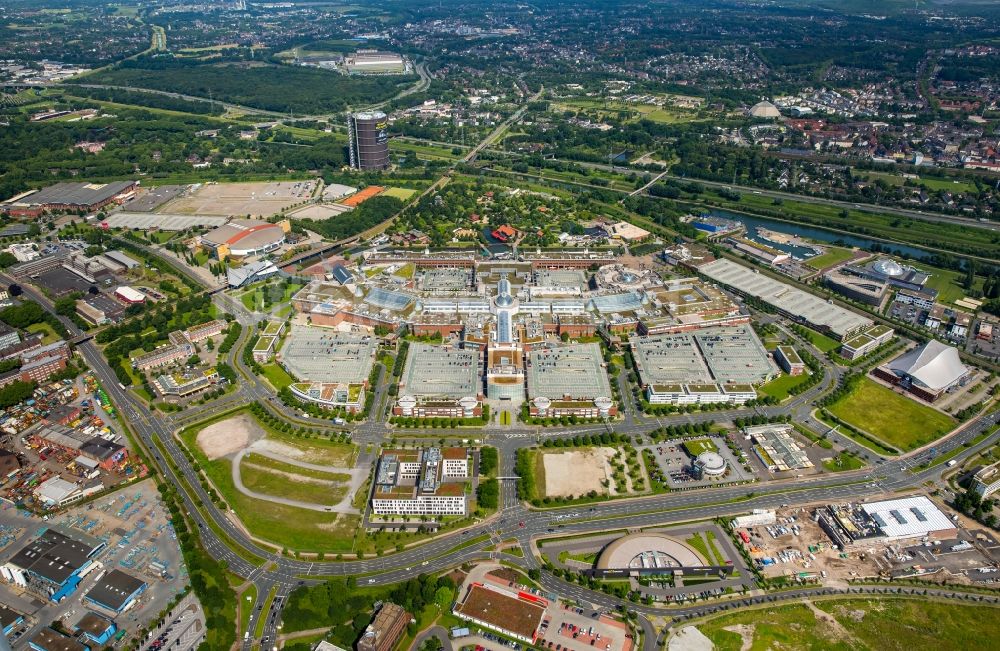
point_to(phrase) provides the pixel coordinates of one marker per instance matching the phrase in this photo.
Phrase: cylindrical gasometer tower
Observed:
(368, 134)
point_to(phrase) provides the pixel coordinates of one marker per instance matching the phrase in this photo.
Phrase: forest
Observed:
(281, 88)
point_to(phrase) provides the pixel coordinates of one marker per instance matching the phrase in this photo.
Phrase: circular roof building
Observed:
(711, 464)
(888, 267)
(648, 551)
(764, 109)
(245, 237)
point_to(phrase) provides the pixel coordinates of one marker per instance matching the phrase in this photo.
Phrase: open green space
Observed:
(895, 419)
(820, 341)
(49, 335)
(781, 385)
(698, 544)
(948, 283)
(270, 477)
(285, 526)
(858, 624)
(400, 193)
(663, 114)
(833, 255)
(276, 376)
(842, 462)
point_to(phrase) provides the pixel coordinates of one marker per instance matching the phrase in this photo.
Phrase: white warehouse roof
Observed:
(934, 365)
(908, 517)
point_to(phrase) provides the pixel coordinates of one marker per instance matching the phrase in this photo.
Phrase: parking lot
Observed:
(573, 628)
(674, 464)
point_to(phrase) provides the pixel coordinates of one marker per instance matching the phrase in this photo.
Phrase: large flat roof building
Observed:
(797, 304)
(440, 381)
(69, 197)
(569, 380)
(51, 565)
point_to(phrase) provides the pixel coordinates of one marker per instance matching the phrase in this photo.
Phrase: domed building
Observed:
(888, 267)
(709, 464)
(765, 110)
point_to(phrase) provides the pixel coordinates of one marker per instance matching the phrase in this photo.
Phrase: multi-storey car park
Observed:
(331, 367)
(440, 381)
(706, 366)
(569, 380)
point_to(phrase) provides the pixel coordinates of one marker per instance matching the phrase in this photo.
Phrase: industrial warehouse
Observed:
(68, 197)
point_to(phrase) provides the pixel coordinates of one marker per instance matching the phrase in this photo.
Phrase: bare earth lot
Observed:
(229, 436)
(241, 199)
(577, 472)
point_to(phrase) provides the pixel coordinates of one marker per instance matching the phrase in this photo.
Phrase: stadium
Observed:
(241, 238)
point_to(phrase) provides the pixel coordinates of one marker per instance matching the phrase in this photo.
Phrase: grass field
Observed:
(49, 335)
(780, 386)
(834, 255)
(664, 114)
(843, 462)
(400, 193)
(698, 544)
(285, 526)
(897, 420)
(277, 376)
(821, 341)
(265, 475)
(876, 625)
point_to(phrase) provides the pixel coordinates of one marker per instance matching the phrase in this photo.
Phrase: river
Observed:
(813, 233)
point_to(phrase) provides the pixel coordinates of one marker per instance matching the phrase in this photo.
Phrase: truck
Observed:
(952, 463)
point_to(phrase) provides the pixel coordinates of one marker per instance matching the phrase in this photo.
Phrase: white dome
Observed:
(712, 463)
(764, 109)
(888, 267)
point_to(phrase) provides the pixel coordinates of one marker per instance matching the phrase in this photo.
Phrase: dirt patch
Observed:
(577, 472)
(835, 630)
(228, 436)
(745, 631)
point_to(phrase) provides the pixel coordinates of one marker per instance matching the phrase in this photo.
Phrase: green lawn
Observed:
(780, 386)
(875, 625)
(842, 462)
(265, 475)
(278, 378)
(400, 193)
(948, 283)
(247, 605)
(49, 335)
(821, 341)
(698, 544)
(897, 420)
(834, 255)
(695, 447)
